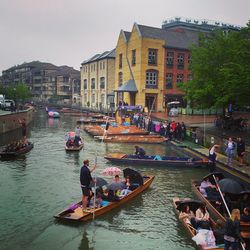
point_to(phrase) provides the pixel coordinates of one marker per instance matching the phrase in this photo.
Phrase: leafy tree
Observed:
(17, 92)
(220, 66)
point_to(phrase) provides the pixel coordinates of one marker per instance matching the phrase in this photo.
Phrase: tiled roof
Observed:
(176, 39)
(65, 71)
(127, 34)
(97, 57)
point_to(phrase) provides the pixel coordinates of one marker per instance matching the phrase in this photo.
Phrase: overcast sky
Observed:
(66, 32)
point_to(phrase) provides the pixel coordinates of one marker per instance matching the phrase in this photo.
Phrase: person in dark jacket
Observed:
(232, 235)
(139, 151)
(240, 149)
(85, 180)
(212, 156)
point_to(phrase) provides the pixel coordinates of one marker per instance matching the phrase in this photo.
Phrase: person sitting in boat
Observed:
(205, 184)
(187, 215)
(97, 200)
(70, 143)
(202, 217)
(127, 188)
(139, 151)
(245, 216)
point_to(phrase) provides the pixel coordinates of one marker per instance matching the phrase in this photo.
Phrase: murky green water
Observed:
(37, 186)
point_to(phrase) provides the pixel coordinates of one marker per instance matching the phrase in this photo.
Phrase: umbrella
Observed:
(193, 204)
(210, 177)
(230, 186)
(116, 186)
(134, 176)
(174, 102)
(99, 182)
(111, 171)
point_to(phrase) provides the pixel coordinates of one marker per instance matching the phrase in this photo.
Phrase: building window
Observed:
(93, 83)
(180, 61)
(169, 81)
(94, 67)
(100, 63)
(103, 65)
(85, 84)
(190, 77)
(189, 59)
(120, 61)
(152, 56)
(85, 98)
(179, 78)
(170, 59)
(102, 83)
(93, 98)
(133, 57)
(151, 79)
(120, 78)
(102, 99)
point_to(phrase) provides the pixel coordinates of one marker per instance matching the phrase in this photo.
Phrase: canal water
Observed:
(35, 187)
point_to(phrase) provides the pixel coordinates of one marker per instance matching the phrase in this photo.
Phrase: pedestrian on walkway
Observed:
(212, 156)
(240, 150)
(230, 150)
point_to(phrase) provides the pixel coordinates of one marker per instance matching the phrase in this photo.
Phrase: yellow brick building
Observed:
(97, 80)
(139, 67)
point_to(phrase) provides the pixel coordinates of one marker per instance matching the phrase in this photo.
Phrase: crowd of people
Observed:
(16, 145)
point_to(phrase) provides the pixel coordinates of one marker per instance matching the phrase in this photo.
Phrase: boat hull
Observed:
(17, 153)
(79, 215)
(153, 161)
(244, 226)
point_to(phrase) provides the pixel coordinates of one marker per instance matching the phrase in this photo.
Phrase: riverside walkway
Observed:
(241, 172)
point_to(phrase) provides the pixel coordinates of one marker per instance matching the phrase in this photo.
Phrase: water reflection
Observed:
(84, 245)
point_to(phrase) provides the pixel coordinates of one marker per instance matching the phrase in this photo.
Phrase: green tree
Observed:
(18, 92)
(220, 70)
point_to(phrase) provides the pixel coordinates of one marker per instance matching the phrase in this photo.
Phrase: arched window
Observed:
(93, 83)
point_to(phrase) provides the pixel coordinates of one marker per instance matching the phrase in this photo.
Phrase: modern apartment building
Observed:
(45, 80)
(97, 80)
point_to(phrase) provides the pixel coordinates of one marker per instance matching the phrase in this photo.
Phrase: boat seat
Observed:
(157, 158)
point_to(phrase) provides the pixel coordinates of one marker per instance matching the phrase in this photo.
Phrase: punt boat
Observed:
(75, 212)
(8, 154)
(156, 160)
(193, 204)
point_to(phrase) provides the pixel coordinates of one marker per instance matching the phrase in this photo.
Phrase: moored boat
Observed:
(194, 205)
(156, 160)
(75, 213)
(13, 153)
(149, 139)
(213, 207)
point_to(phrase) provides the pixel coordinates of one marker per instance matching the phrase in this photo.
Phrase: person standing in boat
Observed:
(232, 235)
(77, 135)
(85, 180)
(139, 151)
(24, 128)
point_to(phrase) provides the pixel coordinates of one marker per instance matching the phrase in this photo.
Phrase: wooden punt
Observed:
(211, 206)
(119, 130)
(24, 150)
(93, 121)
(148, 139)
(192, 231)
(157, 160)
(75, 148)
(76, 213)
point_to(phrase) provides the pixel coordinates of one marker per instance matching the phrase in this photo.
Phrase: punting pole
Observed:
(229, 214)
(94, 190)
(105, 131)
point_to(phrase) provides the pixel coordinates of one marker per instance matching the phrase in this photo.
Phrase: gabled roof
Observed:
(97, 57)
(128, 86)
(175, 39)
(65, 71)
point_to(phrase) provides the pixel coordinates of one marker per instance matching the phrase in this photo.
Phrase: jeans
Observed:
(233, 245)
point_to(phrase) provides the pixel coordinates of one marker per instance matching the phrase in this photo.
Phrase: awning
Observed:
(128, 86)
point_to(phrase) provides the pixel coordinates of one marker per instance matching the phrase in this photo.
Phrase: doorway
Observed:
(151, 101)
